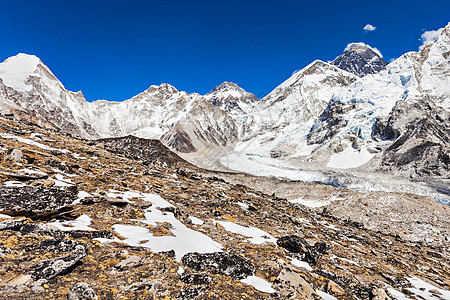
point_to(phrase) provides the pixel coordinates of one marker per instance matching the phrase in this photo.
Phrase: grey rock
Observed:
(420, 134)
(15, 155)
(360, 60)
(48, 269)
(81, 291)
(291, 285)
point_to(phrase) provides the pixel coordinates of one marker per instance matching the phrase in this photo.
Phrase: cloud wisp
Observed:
(369, 27)
(430, 36)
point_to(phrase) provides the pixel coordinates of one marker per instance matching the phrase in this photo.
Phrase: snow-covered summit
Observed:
(228, 91)
(164, 88)
(360, 59)
(14, 71)
(232, 98)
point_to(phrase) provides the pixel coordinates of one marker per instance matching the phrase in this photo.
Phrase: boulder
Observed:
(296, 244)
(15, 155)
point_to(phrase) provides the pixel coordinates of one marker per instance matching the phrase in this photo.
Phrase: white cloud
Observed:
(369, 27)
(429, 37)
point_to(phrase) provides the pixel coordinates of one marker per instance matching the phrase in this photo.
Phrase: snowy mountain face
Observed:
(323, 118)
(29, 85)
(279, 124)
(232, 98)
(360, 59)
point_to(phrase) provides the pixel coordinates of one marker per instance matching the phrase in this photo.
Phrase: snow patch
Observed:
(184, 241)
(422, 289)
(259, 284)
(309, 203)
(350, 158)
(196, 221)
(301, 264)
(14, 183)
(325, 296)
(80, 223)
(81, 196)
(255, 235)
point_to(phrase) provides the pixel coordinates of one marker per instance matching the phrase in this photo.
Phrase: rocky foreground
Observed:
(127, 219)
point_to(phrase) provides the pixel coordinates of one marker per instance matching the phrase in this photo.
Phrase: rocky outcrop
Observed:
(48, 269)
(148, 151)
(291, 285)
(231, 98)
(35, 202)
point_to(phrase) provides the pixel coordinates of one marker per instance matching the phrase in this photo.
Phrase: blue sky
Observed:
(115, 49)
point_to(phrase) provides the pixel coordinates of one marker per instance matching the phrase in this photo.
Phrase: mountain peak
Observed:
(164, 88)
(360, 59)
(228, 91)
(14, 71)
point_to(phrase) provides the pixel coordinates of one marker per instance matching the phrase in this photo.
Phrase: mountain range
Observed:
(354, 116)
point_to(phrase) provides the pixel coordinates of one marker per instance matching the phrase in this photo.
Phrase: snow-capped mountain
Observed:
(279, 124)
(232, 98)
(323, 118)
(27, 84)
(360, 59)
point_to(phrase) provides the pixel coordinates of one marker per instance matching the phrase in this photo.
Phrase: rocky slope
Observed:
(130, 220)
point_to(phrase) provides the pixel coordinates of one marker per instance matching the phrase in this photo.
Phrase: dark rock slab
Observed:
(221, 263)
(35, 202)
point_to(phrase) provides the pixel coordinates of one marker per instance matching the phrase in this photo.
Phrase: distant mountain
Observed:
(232, 98)
(27, 84)
(360, 59)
